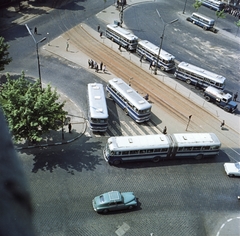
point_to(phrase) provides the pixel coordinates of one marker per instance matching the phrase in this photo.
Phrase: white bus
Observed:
(98, 113)
(129, 100)
(203, 21)
(122, 37)
(160, 147)
(213, 4)
(150, 52)
(198, 76)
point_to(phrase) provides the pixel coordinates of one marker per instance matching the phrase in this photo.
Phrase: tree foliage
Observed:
(4, 54)
(30, 111)
(197, 4)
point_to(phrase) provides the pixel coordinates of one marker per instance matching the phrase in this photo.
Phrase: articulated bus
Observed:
(160, 147)
(198, 76)
(150, 52)
(98, 113)
(122, 37)
(129, 100)
(213, 4)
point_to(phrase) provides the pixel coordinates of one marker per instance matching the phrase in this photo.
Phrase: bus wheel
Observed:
(199, 157)
(193, 22)
(226, 109)
(162, 68)
(116, 162)
(188, 81)
(126, 111)
(207, 98)
(204, 27)
(109, 95)
(156, 159)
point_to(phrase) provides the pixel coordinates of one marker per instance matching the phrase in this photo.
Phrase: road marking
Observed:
(137, 128)
(119, 128)
(128, 127)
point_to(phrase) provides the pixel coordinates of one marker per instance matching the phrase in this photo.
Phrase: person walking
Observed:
(151, 64)
(96, 68)
(141, 58)
(235, 96)
(101, 65)
(222, 124)
(67, 46)
(165, 130)
(98, 28)
(35, 30)
(70, 128)
(104, 68)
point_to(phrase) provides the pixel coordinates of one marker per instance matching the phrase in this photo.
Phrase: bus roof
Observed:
(127, 34)
(195, 139)
(130, 94)
(202, 16)
(155, 50)
(138, 142)
(97, 101)
(201, 72)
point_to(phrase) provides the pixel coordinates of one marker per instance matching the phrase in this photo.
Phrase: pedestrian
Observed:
(151, 64)
(96, 68)
(146, 97)
(141, 58)
(222, 124)
(92, 62)
(35, 30)
(70, 128)
(104, 68)
(101, 65)
(165, 130)
(100, 34)
(89, 62)
(98, 28)
(235, 96)
(67, 46)
(119, 48)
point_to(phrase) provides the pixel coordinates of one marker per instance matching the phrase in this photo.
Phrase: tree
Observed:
(220, 14)
(4, 54)
(197, 4)
(30, 111)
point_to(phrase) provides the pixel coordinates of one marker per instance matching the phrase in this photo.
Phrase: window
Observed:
(206, 148)
(134, 152)
(125, 152)
(142, 151)
(196, 148)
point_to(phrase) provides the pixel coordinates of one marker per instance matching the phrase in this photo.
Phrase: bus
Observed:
(150, 52)
(97, 113)
(199, 77)
(160, 147)
(213, 4)
(134, 105)
(122, 37)
(203, 21)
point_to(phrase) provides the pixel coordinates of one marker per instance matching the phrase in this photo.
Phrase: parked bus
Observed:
(160, 147)
(129, 100)
(203, 21)
(122, 37)
(98, 113)
(213, 4)
(150, 52)
(198, 76)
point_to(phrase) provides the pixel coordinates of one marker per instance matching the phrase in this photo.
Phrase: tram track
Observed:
(165, 97)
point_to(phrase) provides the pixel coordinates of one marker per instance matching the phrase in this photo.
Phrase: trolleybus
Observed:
(122, 37)
(198, 76)
(98, 113)
(129, 100)
(160, 147)
(203, 21)
(150, 52)
(213, 4)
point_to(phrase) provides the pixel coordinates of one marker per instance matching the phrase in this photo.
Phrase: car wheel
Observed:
(199, 157)
(116, 162)
(231, 175)
(105, 211)
(226, 109)
(130, 207)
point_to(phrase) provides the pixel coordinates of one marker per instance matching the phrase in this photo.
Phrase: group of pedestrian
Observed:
(94, 65)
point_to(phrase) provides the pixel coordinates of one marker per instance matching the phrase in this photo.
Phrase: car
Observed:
(114, 200)
(232, 169)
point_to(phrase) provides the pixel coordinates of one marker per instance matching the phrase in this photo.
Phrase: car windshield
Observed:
(237, 166)
(101, 199)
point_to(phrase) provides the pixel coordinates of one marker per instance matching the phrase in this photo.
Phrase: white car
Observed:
(232, 169)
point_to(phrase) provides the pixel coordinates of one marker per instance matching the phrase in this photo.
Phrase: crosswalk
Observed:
(126, 128)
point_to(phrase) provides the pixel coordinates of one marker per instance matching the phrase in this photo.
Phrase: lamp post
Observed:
(160, 48)
(36, 44)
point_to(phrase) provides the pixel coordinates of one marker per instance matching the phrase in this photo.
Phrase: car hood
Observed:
(230, 167)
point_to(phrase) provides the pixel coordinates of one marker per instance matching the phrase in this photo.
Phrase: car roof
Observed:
(114, 196)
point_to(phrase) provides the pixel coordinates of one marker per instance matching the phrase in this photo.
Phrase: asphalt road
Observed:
(179, 197)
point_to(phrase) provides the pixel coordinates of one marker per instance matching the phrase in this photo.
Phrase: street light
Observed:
(36, 44)
(165, 24)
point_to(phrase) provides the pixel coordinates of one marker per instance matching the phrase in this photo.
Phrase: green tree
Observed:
(238, 25)
(220, 14)
(4, 54)
(197, 4)
(30, 111)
